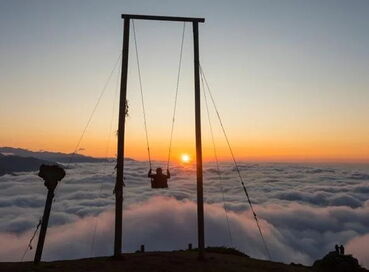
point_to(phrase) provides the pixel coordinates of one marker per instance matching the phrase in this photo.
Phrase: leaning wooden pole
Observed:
(51, 174)
(120, 151)
(200, 198)
(44, 224)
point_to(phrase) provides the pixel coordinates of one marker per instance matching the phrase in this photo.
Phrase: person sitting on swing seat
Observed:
(159, 180)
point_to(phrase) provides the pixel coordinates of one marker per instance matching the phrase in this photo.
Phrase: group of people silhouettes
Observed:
(340, 250)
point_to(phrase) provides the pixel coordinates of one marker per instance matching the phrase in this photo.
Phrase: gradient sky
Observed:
(291, 78)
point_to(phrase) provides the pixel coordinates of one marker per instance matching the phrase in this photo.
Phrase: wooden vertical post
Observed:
(120, 151)
(120, 155)
(200, 199)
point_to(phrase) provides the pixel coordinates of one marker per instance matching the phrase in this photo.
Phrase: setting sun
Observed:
(185, 158)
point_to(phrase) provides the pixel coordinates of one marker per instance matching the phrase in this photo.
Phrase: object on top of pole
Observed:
(163, 18)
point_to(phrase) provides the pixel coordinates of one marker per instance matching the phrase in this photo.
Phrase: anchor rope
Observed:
(95, 107)
(29, 246)
(102, 92)
(236, 165)
(217, 162)
(107, 148)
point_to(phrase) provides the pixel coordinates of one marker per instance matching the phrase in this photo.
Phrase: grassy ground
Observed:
(179, 261)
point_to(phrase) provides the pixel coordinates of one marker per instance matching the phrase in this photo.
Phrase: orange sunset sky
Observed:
(291, 85)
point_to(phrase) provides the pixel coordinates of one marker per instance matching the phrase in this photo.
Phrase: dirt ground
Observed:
(180, 261)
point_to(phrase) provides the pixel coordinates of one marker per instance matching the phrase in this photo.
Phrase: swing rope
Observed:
(236, 165)
(217, 162)
(29, 246)
(176, 94)
(142, 95)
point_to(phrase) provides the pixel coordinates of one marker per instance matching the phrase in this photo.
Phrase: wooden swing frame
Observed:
(121, 128)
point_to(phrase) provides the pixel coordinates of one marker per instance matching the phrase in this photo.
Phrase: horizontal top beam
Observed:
(163, 18)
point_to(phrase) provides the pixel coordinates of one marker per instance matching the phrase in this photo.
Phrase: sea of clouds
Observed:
(304, 210)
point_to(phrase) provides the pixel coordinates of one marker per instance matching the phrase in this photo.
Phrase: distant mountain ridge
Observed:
(10, 164)
(22, 160)
(50, 156)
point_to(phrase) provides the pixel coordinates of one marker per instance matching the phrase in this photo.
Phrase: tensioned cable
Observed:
(236, 165)
(217, 162)
(91, 115)
(29, 246)
(79, 141)
(93, 240)
(176, 94)
(141, 91)
(95, 107)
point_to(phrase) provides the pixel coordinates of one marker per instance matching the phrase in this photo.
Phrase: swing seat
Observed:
(159, 180)
(158, 184)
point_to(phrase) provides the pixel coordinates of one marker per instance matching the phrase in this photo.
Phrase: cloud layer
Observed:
(304, 211)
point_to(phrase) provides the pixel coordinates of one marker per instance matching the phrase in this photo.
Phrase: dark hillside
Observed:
(50, 156)
(179, 261)
(10, 164)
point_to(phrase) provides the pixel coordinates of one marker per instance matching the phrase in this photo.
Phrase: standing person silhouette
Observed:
(337, 248)
(342, 250)
(159, 180)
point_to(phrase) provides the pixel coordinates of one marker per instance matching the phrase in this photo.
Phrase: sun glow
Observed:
(185, 158)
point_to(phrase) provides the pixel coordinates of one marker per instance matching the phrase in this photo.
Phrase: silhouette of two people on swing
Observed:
(159, 180)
